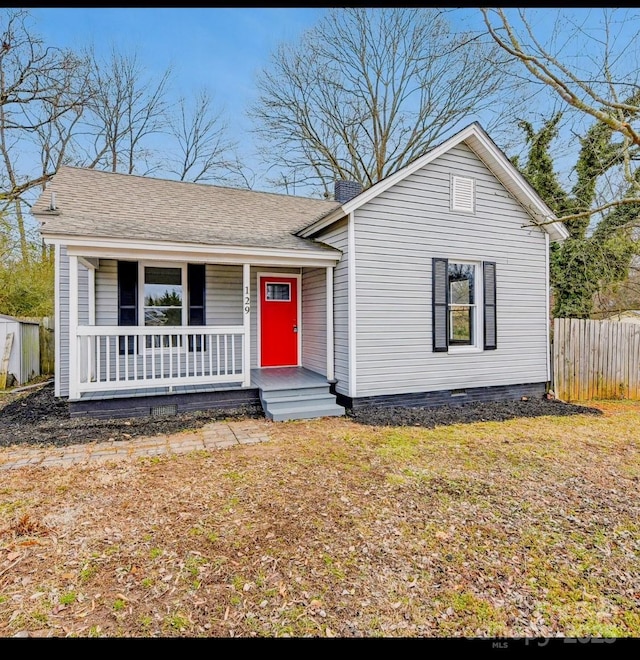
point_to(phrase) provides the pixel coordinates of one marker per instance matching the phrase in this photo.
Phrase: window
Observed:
(460, 292)
(163, 302)
(461, 307)
(162, 296)
(278, 291)
(169, 295)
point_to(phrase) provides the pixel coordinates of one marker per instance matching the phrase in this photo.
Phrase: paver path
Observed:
(216, 435)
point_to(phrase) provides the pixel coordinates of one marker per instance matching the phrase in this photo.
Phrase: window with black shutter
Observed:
(163, 300)
(455, 315)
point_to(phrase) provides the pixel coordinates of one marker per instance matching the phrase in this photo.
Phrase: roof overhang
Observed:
(113, 248)
(491, 155)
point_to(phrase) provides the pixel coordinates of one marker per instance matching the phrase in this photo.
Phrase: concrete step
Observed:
(299, 402)
(326, 400)
(309, 412)
(295, 394)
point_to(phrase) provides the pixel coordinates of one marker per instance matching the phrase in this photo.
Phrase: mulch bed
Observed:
(39, 418)
(466, 413)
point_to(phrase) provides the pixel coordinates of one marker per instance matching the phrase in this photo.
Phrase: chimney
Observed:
(346, 190)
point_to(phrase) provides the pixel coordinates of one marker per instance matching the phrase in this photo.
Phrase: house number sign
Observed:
(247, 300)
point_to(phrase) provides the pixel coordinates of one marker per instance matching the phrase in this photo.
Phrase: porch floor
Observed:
(271, 378)
(278, 378)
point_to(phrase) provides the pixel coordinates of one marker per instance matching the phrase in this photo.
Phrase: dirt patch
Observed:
(37, 417)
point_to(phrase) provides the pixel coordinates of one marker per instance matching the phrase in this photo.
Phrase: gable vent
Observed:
(462, 194)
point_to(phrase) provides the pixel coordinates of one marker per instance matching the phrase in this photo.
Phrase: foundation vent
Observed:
(164, 411)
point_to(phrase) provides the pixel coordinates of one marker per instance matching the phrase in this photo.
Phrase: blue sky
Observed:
(221, 49)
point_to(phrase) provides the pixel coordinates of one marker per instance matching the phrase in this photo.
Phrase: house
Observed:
(430, 287)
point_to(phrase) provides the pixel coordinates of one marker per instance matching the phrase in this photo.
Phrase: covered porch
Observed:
(283, 393)
(213, 329)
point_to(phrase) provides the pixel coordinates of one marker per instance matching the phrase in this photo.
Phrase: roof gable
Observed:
(476, 138)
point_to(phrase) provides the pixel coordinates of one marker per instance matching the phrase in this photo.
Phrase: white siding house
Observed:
(429, 287)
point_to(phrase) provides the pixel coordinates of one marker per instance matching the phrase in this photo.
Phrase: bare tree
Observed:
(201, 136)
(587, 59)
(367, 91)
(593, 66)
(40, 88)
(125, 110)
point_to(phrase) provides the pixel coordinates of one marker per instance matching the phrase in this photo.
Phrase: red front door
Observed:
(278, 321)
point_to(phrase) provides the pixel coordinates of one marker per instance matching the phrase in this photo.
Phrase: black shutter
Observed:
(440, 300)
(489, 298)
(196, 298)
(195, 287)
(127, 299)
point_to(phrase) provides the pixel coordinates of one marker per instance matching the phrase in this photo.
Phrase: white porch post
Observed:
(246, 306)
(73, 327)
(91, 284)
(330, 345)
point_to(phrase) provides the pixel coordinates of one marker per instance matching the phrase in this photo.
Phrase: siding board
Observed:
(397, 234)
(314, 320)
(336, 236)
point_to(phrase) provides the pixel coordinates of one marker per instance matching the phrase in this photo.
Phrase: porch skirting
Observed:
(177, 403)
(447, 397)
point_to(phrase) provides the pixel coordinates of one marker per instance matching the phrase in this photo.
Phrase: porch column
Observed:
(330, 346)
(246, 305)
(73, 327)
(92, 341)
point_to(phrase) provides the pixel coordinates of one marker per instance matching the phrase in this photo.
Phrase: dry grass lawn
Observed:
(527, 527)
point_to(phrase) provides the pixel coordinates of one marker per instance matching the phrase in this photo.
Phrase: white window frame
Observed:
(161, 264)
(478, 305)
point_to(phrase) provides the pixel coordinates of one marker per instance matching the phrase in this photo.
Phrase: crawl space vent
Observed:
(458, 392)
(163, 411)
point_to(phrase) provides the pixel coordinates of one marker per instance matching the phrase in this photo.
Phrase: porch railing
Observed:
(133, 357)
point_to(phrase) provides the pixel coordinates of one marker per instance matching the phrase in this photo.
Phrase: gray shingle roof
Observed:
(111, 205)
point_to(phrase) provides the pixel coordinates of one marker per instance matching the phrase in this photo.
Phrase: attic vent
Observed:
(346, 190)
(462, 194)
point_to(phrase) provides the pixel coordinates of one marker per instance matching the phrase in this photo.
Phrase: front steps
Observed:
(299, 402)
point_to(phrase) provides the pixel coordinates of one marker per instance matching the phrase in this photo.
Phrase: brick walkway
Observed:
(216, 435)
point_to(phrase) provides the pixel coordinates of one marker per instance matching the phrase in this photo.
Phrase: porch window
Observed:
(163, 301)
(162, 296)
(169, 296)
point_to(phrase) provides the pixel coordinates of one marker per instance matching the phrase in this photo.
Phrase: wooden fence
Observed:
(47, 345)
(596, 359)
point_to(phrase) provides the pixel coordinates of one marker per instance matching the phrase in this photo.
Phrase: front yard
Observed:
(525, 527)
